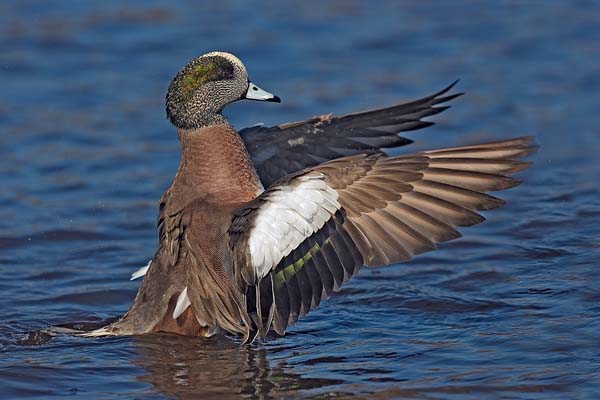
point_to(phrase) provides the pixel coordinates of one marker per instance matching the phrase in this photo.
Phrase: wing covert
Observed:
(282, 150)
(309, 233)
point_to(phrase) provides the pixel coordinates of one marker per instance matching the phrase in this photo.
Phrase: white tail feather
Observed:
(98, 333)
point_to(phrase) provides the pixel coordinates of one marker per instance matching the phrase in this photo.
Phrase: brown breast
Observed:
(216, 164)
(215, 177)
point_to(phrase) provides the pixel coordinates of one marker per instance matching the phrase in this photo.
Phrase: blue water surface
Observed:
(509, 311)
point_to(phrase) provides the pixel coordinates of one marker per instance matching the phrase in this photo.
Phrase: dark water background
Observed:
(510, 311)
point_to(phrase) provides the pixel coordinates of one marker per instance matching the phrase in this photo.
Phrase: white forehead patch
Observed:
(229, 57)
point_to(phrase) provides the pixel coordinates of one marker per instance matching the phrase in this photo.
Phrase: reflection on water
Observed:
(219, 367)
(509, 311)
(182, 367)
(177, 366)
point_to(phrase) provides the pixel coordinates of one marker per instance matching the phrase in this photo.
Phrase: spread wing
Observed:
(282, 150)
(310, 232)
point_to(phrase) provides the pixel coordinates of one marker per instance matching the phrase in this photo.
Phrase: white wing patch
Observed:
(292, 214)
(140, 272)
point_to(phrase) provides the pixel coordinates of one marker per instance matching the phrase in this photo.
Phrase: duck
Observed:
(260, 226)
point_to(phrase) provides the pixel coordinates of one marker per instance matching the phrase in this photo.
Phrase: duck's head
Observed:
(202, 88)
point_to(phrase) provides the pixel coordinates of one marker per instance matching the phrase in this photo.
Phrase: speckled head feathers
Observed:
(202, 88)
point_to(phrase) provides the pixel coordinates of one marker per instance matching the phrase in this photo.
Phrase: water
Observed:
(509, 311)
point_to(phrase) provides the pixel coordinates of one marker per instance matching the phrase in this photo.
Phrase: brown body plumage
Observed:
(236, 258)
(215, 177)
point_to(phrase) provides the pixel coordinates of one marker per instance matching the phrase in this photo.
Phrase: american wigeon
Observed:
(244, 259)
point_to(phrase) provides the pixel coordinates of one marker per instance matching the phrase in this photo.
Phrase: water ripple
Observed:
(509, 311)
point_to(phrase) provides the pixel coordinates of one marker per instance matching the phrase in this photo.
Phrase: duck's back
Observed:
(192, 265)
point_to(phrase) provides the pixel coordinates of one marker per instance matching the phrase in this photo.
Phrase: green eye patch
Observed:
(209, 70)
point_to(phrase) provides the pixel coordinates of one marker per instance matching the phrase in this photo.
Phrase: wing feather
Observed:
(282, 150)
(311, 232)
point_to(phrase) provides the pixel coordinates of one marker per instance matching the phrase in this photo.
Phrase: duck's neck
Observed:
(201, 119)
(215, 162)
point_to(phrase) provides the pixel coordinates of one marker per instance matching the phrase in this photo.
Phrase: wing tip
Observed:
(140, 271)
(447, 89)
(183, 302)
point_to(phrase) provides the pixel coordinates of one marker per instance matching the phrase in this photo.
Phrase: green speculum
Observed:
(290, 270)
